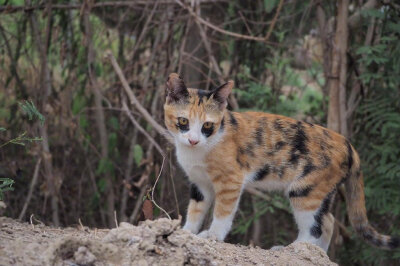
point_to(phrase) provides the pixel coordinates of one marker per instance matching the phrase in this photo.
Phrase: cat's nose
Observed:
(193, 142)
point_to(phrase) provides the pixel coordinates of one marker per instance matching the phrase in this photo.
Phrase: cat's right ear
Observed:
(176, 89)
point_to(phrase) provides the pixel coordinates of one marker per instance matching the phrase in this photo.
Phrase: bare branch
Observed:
(212, 26)
(134, 101)
(31, 188)
(141, 129)
(13, 9)
(272, 25)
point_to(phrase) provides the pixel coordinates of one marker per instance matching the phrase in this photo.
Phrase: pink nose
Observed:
(193, 142)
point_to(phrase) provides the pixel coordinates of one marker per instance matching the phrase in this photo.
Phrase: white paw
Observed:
(207, 234)
(190, 228)
(275, 248)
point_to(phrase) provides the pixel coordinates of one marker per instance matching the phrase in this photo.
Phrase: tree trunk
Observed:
(338, 76)
(45, 84)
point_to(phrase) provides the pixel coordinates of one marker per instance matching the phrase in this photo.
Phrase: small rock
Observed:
(83, 256)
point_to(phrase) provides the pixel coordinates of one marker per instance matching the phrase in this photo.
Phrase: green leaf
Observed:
(138, 154)
(78, 104)
(30, 109)
(269, 5)
(114, 123)
(101, 184)
(112, 141)
(394, 26)
(2, 129)
(105, 166)
(376, 13)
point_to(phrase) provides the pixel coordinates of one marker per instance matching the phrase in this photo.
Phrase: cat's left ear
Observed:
(221, 93)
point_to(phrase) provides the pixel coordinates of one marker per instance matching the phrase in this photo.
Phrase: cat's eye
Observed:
(208, 125)
(182, 121)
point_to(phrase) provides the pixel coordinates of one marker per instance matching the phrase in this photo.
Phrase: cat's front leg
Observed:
(226, 201)
(201, 198)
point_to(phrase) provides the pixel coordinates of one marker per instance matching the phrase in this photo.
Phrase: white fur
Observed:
(305, 220)
(192, 160)
(219, 228)
(193, 226)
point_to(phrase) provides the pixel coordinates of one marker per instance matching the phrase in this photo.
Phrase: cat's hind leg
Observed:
(315, 224)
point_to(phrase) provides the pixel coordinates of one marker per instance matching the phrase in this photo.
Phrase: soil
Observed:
(159, 242)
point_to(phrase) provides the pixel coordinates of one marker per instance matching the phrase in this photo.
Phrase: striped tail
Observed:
(355, 202)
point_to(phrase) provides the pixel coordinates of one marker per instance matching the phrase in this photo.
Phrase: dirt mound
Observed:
(159, 242)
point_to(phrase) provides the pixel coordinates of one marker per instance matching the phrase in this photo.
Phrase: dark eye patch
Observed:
(207, 131)
(182, 127)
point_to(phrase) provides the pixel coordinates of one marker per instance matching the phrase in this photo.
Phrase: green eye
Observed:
(208, 125)
(183, 121)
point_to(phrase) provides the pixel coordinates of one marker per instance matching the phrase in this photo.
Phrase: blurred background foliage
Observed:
(93, 162)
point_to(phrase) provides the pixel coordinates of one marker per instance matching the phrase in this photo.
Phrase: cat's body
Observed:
(222, 152)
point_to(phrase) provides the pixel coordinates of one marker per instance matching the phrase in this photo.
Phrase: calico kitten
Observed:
(223, 151)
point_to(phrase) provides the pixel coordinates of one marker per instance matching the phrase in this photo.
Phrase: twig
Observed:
(154, 186)
(137, 206)
(80, 223)
(32, 186)
(115, 219)
(257, 193)
(272, 25)
(141, 129)
(15, 8)
(212, 26)
(31, 221)
(134, 101)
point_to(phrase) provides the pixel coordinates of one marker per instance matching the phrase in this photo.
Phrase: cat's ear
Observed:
(176, 89)
(221, 93)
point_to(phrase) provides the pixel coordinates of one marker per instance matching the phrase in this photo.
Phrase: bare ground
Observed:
(159, 242)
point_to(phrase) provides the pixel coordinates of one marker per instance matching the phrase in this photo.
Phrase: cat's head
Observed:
(194, 117)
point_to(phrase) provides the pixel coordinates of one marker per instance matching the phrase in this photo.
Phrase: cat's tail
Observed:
(355, 201)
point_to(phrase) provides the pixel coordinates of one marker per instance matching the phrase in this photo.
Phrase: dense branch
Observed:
(14, 9)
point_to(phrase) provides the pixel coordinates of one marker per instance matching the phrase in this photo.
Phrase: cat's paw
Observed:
(276, 248)
(207, 234)
(190, 228)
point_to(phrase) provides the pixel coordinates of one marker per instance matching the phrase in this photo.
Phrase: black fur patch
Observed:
(259, 136)
(281, 172)
(294, 158)
(327, 134)
(298, 144)
(182, 128)
(394, 242)
(308, 168)
(279, 145)
(250, 149)
(316, 229)
(195, 193)
(349, 155)
(233, 120)
(278, 125)
(207, 131)
(371, 236)
(221, 127)
(239, 161)
(325, 160)
(348, 162)
(311, 125)
(300, 138)
(301, 192)
(262, 173)
(202, 94)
